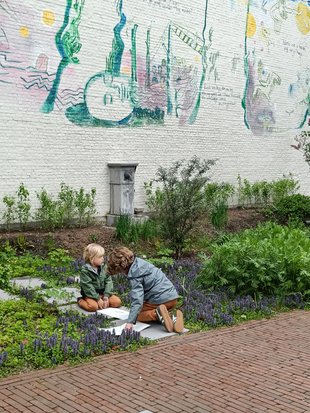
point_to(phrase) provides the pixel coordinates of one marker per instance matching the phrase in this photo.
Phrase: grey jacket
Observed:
(148, 283)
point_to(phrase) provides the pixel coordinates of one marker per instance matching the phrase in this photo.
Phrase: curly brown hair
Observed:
(120, 260)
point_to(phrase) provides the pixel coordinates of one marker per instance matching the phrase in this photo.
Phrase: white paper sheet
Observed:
(114, 313)
(118, 329)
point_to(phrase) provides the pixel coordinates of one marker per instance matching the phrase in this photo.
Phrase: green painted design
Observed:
(246, 70)
(148, 58)
(68, 45)
(169, 100)
(194, 113)
(114, 60)
(133, 52)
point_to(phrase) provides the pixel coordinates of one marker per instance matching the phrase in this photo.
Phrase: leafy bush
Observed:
(268, 260)
(47, 213)
(179, 201)
(17, 209)
(10, 211)
(217, 197)
(292, 208)
(23, 205)
(303, 144)
(69, 206)
(263, 193)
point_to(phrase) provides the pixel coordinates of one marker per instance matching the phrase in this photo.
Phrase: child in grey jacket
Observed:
(153, 295)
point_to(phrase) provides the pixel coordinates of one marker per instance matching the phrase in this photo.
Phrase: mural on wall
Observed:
(153, 61)
(140, 85)
(277, 38)
(150, 74)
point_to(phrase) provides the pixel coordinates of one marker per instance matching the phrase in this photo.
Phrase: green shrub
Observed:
(219, 215)
(9, 214)
(267, 260)
(47, 213)
(293, 207)
(263, 193)
(85, 206)
(180, 199)
(23, 205)
(217, 197)
(69, 207)
(17, 210)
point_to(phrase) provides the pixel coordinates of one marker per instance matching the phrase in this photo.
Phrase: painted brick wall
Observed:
(181, 71)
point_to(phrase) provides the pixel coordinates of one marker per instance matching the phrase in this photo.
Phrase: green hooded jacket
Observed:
(94, 283)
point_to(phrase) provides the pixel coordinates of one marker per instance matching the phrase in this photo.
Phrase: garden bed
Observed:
(75, 239)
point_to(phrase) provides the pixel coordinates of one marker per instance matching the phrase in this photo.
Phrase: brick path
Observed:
(261, 366)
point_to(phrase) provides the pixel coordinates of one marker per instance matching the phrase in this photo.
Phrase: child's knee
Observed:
(115, 301)
(88, 305)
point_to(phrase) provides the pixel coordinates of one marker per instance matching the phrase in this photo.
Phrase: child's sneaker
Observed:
(178, 322)
(164, 317)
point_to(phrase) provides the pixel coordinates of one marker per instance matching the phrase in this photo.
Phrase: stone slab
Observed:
(6, 296)
(154, 332)
(27, 282)
(62, 296)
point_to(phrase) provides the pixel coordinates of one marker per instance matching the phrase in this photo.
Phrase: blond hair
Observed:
(120, 260)
(92, 251)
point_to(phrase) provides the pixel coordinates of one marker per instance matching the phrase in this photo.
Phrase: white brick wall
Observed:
(43, 150)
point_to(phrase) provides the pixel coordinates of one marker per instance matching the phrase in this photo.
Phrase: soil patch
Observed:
(75, 239)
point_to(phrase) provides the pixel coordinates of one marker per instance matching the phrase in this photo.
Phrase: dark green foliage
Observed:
(292, 208)
(180, 199)
(267, 260)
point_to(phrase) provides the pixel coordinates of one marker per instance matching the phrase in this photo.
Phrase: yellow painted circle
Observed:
(251, 26)
(48, 17)
(24, 31)
(303, 18)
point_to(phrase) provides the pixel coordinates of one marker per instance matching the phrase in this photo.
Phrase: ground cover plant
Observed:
(36, 335)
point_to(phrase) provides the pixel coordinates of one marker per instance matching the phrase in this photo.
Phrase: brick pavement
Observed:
(261, 366)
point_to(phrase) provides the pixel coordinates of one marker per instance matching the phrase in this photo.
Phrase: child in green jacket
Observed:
(96, 285)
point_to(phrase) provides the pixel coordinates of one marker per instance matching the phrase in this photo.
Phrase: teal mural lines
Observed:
(68, 45)
(148, 58)
(169, 102)
(194, 113)
(108, 94)
(246, 69)
(115, 58)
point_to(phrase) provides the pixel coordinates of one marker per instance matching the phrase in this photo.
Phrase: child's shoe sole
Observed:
(178, 324)
(164, 317)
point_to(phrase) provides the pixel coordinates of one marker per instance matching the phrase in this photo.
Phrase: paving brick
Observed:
(258, 367)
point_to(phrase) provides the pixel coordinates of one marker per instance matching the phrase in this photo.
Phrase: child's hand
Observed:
(100, 304)
(105, 302)
(128, 326)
